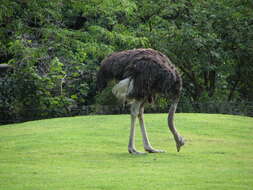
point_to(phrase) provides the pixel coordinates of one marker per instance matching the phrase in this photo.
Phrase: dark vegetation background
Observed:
(55, 47)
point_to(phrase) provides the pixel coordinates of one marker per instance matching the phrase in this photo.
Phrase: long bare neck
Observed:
(178, 138)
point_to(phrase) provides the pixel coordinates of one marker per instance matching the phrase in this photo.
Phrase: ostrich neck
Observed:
(171, 125)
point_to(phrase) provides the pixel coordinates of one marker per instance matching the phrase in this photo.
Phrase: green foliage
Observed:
(106, 97)
(55, 48)
(196, 36)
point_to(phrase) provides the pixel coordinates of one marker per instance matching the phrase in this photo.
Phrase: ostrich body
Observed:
(142, 74)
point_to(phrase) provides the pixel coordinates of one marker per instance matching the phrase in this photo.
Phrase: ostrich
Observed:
(142, 74)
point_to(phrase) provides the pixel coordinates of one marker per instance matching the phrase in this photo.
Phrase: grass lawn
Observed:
(90, 152)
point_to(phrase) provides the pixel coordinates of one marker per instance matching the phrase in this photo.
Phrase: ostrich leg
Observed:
(146, 143)
(135, 107)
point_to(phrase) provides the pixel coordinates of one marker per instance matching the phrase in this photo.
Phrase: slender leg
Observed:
(134, 112)
(146, 143)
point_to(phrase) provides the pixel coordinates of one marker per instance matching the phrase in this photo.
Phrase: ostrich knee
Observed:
(145, 140)
(134, 113)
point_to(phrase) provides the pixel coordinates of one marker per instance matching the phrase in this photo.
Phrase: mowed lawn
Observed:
(90, 152)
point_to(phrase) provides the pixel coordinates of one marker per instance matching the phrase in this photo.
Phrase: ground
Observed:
(90, 152)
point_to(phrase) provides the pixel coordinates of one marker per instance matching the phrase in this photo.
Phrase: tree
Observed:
(207, 40)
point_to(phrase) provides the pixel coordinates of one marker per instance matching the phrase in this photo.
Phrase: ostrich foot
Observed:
(134, 151)
(151, 150)
(180, 142)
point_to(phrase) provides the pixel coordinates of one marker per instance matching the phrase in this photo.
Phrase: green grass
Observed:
(90, 152)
